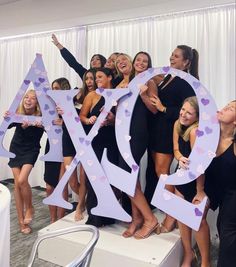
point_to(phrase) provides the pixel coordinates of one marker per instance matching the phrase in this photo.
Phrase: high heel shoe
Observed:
(165, 230)
(25, 229)
(128, 233)
(28, 219)
(151, 229)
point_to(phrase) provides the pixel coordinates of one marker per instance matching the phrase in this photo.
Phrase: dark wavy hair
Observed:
(192, 56)
(63, 82)
(101, 57)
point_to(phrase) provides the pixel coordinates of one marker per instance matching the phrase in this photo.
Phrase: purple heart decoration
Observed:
(109, 93)
(205, 101)
(101, 90)
(68, 98)
(36, 84)
(27, 82)
(134, 167)
(51, 112)
(46, 107)
(196, 84)
(166, 69)
(199, 133)
(2, 133)
(127, 113)
(77, 119)
(45, 89)
(41, 79)
(57, 131)
(197, 212)
(208, 130)
(151, 70)
(87, 142)
(81, 139)
(7, 119)
(191, 176)
(75, 161)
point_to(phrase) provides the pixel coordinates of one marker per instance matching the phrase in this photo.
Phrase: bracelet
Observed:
(57, 44)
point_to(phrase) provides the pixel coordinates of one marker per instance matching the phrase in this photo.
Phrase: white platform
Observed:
(112, 249)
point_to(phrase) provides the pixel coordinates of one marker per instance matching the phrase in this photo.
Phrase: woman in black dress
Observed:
(183, 139)
(171, 94)
(68, 149)
(54, 170)
(143, 221)
(105, 138)
(25, 145)
(221, 185)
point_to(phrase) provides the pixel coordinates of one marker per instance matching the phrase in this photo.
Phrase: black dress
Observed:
(68, 149)
(25, 144)
(104, 139)
(188, 190)
(220, 187)
(138, 142)
(51, 170)
(171, 96)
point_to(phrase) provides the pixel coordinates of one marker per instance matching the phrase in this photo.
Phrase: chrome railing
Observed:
(84, 259)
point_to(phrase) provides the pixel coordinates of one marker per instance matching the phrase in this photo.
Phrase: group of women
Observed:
(164, 122)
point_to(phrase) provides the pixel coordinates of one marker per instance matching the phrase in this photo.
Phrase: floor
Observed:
(21, 245)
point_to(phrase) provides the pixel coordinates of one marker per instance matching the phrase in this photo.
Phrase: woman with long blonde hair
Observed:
(25, 144)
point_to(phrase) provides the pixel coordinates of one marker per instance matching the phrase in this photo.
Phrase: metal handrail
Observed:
(84, 259)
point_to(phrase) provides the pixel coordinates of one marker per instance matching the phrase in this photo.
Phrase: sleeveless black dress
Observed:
(221, 189)
(104, 139)
(188, 190)
(172, 96)
(25, 144)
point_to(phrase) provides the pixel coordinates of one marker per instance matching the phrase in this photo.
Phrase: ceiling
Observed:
(31, 16)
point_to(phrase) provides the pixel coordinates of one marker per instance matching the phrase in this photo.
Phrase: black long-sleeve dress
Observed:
(25, 144)
(171, 96)
(220, 187)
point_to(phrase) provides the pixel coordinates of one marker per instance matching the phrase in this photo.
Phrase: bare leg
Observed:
(150, 222)
(61, 211)
(82, 195)
(202, 237)
(162, 166)
(73, 182)
(137, 221)
(23, 197)
(186, 237)
(52, 209)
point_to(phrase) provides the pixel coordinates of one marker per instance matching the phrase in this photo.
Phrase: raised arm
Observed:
(69, 58)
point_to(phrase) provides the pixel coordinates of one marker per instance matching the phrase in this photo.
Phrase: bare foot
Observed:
(79, 213)
(25, 229)
(133, 227)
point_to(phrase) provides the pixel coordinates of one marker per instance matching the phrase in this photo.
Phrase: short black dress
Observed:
(68, 149)
(25, 144)
(172, 97)
(188, 190)
(220, 187)
(51, 170)
(104, 139)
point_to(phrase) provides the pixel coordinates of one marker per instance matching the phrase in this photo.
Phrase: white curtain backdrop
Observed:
(211, 31)
(17, 55)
